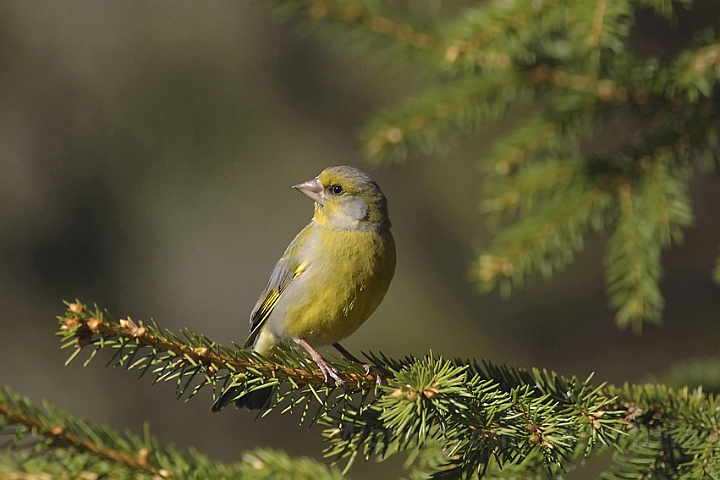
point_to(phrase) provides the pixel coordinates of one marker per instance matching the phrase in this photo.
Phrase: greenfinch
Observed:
(332, 276)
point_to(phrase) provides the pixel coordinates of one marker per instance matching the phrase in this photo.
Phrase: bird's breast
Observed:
(346, 277)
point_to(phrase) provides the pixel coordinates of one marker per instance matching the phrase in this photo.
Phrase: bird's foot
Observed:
(366, 366)
(329, 370)
(326, 369)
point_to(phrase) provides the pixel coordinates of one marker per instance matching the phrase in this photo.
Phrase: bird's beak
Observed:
(313, 189)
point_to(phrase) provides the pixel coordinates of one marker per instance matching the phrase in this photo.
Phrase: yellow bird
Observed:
(332, 276)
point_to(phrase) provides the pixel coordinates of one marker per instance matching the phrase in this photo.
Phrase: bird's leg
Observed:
(325, 367)
(353, 358)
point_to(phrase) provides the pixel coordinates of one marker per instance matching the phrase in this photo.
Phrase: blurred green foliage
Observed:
(572, 65)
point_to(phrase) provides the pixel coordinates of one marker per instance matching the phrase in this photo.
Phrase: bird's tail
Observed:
(254, 400)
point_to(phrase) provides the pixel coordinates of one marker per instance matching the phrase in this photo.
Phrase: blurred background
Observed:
(147, 151)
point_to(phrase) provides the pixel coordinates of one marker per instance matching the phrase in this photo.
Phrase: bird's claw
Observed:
(330, 371)
(368, 370)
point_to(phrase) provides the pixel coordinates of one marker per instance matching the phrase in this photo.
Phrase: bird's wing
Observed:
(286, 269)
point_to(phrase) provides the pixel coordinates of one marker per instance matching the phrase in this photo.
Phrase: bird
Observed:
(331, 278)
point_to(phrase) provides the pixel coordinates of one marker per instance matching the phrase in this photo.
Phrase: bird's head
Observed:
(347, 199)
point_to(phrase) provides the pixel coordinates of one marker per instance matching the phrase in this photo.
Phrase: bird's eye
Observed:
(337, 189)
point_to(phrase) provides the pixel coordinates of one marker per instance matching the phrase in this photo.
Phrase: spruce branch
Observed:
(420, 400)
(706, 58)
(603, 89)
(486, 419)
(367, 15)
(177, 358)
(633, 263)
(435, 120)
(440, 116)
(697, 72)
(599, 28)
(271, 464)
(668, 194)
(524, 182)
(675, 435)
(481, 26)
(523, 192)
(597, 23)
(50, 443)
(196, 363)
(538, 424)
(57, 430)
(539, 242)
(520, 146)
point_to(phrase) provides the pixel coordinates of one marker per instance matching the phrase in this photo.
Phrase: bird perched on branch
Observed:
(332, 276)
